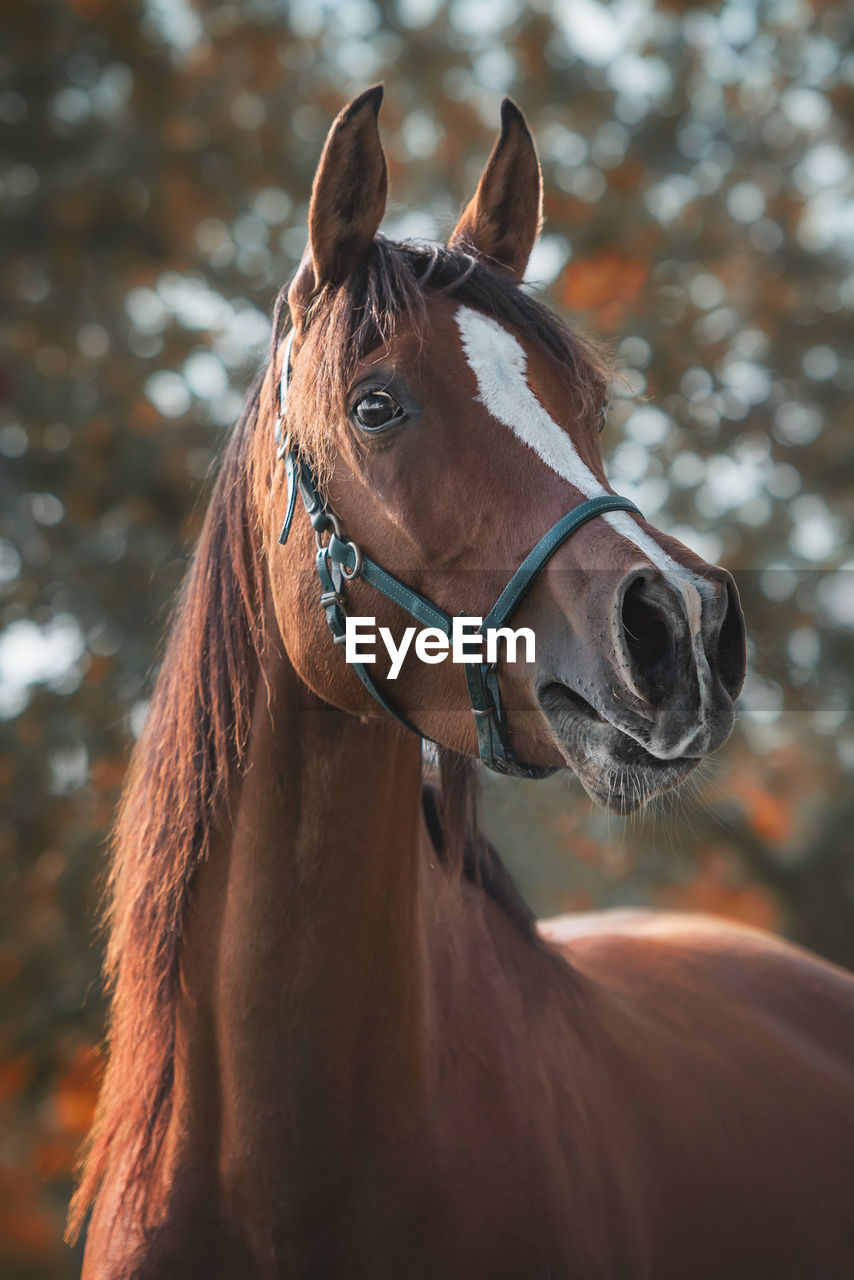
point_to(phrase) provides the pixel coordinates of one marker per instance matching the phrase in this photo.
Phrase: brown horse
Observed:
(339, 1047)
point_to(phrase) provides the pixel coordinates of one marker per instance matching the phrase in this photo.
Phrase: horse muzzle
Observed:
(643, 687)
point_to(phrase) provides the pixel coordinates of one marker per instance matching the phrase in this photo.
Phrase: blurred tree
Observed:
(156, 164)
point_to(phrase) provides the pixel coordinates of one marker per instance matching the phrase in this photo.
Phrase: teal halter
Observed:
(339, 561)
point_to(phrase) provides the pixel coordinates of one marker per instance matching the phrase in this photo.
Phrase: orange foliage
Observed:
(107, 773)
(26, 1228)
(715, 890)
(99, 668)
(29, 731)
(15, 1074)
(626, 177)
(607, 284)
(769, 815)
(54, 1158)
(77, 1090)
(145, 419)
(565, 826)
(10, 966)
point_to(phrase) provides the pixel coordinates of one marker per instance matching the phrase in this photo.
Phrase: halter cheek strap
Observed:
(339, 561)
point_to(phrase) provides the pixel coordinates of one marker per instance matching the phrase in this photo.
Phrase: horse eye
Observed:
(376, 410)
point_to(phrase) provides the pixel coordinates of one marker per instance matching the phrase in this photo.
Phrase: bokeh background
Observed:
(155, 164)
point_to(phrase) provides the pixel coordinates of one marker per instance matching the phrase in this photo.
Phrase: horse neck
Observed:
(302, 993)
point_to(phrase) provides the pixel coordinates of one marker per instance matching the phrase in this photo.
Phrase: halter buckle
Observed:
(332, 597)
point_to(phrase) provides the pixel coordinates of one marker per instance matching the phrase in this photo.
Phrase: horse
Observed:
(339, 1043)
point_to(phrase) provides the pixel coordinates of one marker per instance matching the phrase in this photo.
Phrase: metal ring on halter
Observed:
(357, 566)
(281, 451)
(332, 519)
(328, 517)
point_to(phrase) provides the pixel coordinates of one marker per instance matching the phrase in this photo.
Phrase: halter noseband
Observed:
(339, 560)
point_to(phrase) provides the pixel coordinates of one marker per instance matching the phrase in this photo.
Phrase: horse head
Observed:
(449, 421)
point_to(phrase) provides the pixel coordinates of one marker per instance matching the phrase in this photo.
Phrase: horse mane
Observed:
(190, 749)
(193, 745)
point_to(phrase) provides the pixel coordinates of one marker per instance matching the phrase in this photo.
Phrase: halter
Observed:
(340, 560)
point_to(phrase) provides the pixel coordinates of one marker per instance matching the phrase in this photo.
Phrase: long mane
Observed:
(189, 756)
(193, 741)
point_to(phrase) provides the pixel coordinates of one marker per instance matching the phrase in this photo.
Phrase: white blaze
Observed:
(499, 362)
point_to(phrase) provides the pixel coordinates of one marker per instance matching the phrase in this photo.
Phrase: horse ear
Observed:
(347, 199)
(503, 220)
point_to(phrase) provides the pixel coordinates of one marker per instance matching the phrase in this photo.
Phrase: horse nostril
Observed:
(649, 641)
(731, 653)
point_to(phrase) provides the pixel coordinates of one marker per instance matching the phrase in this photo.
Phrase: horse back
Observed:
(729, 1057)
